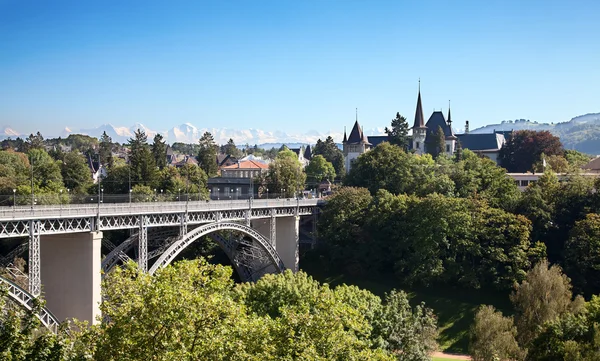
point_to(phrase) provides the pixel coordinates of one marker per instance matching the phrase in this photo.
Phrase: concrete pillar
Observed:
(288, 230)
(70, 270)
(263, 226)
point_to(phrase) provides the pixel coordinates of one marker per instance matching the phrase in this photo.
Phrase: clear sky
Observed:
(294, 65)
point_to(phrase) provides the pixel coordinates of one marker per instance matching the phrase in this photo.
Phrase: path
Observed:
(449, 356)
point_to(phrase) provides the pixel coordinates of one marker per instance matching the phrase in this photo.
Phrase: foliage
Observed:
(159, 151)
(399, 328)
(35, 141)
(493, 337)
(141, 161)
(22, 338)
(330, 151)
(576, 159)
(318, 170)
(192, 310)
(286, 176)
(436, 146)
(582, 254)
(76, 173)
(207, 154)
(105, 151)
(14, 170)
(142, 193)
(231, 149)
(571, 337)
(195, 179)
(398, 133)
(543, 296)
(525, 148)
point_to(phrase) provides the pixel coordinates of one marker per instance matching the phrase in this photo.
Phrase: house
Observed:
(301, 152)
(188, 159)
(97, 170)
(593, 166)
(488, 145)
(225, 160)
(244, 169)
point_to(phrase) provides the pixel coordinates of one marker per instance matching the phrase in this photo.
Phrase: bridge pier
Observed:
(287, 232)
(70, 274)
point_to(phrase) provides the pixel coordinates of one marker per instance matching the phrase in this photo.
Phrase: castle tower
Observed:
(419, 129)
(356, 144)
(450, 138)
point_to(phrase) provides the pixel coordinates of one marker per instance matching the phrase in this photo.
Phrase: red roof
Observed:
(247, 164)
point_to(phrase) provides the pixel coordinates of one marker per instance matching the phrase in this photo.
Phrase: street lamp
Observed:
(129, 197)
(283, 190)
(161, 194)
(14, 197)
(155, 194)
(178, 194)
(267, 193)
(218, 193)
(61, 201)
(102, 195)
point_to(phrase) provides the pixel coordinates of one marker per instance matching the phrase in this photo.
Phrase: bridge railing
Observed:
(82, 210)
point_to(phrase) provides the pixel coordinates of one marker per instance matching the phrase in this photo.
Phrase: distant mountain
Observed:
(581, 133)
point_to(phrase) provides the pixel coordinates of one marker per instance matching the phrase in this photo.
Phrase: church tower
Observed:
(419, 129)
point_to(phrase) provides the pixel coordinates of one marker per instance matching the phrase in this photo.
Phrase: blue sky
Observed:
(293, 65)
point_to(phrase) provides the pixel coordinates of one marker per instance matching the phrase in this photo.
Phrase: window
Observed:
(447, 148)
(418, 145)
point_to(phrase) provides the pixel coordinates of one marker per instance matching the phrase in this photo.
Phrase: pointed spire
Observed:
(419, 118)
(357, 114)
(449, 116)
(345, 138)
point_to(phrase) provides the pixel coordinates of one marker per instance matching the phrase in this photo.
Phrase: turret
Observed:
(419, 129)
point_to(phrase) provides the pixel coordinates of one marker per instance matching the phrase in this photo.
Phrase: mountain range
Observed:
(580, 133)
(188, 133)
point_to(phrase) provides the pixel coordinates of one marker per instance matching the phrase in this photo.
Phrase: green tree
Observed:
(141, 161)
(576, 159)
(436, 146)
(525, 147)
(582, 254)
(286, 176)
(196, 180)
(14, 170)
(76, 172)
(330, 151)
(231, 149)
(543, 296)
(143, 193)
(35, 141)
(493, 337)
(319, 169)
(159, 151)
(207, 155)
(105, 150)
(398, 133)
(400, 329)
(22, 337)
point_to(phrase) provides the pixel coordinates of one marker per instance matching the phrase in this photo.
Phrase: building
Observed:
(237, 180)
(245, 169)
(301, 153)
(97, 170)
(423, 133)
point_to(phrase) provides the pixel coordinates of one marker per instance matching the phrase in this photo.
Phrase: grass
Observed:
(454, 308)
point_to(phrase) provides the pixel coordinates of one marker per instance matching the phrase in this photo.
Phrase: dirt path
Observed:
(449, 356)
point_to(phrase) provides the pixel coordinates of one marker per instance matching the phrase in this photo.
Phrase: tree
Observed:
(459, 151)
(141, 161)
(436, 146)
(195, 179)
(398, 133)
(576, 159)
(105, 151)
(400, 329)
(330, 151)
(35, 141)
(286, 176)
(493, 337)
(582, 254)
(525, 147)
(76, 173)
(14, 170)
(231, 149)
(543, 296)
(159, 151)
(319, 169)
(22, 337)
(207, 155)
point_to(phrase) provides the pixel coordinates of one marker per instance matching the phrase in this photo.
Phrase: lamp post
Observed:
(32, 197)
(14, 202)
(218, 193)
(267, 193)
(129, 197)
(155, 194)
(283, 190)
(61, 202)
(178, 194)
(161, 195)
(102, 195)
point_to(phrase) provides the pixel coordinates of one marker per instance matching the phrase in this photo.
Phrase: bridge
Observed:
(259, 236)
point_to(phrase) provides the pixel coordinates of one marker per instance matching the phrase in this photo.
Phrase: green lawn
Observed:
(455, 308)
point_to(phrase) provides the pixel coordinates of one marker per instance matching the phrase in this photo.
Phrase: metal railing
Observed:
(89, 210)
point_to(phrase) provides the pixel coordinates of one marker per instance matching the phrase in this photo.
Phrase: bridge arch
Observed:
(251, 259)
(27, 300)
